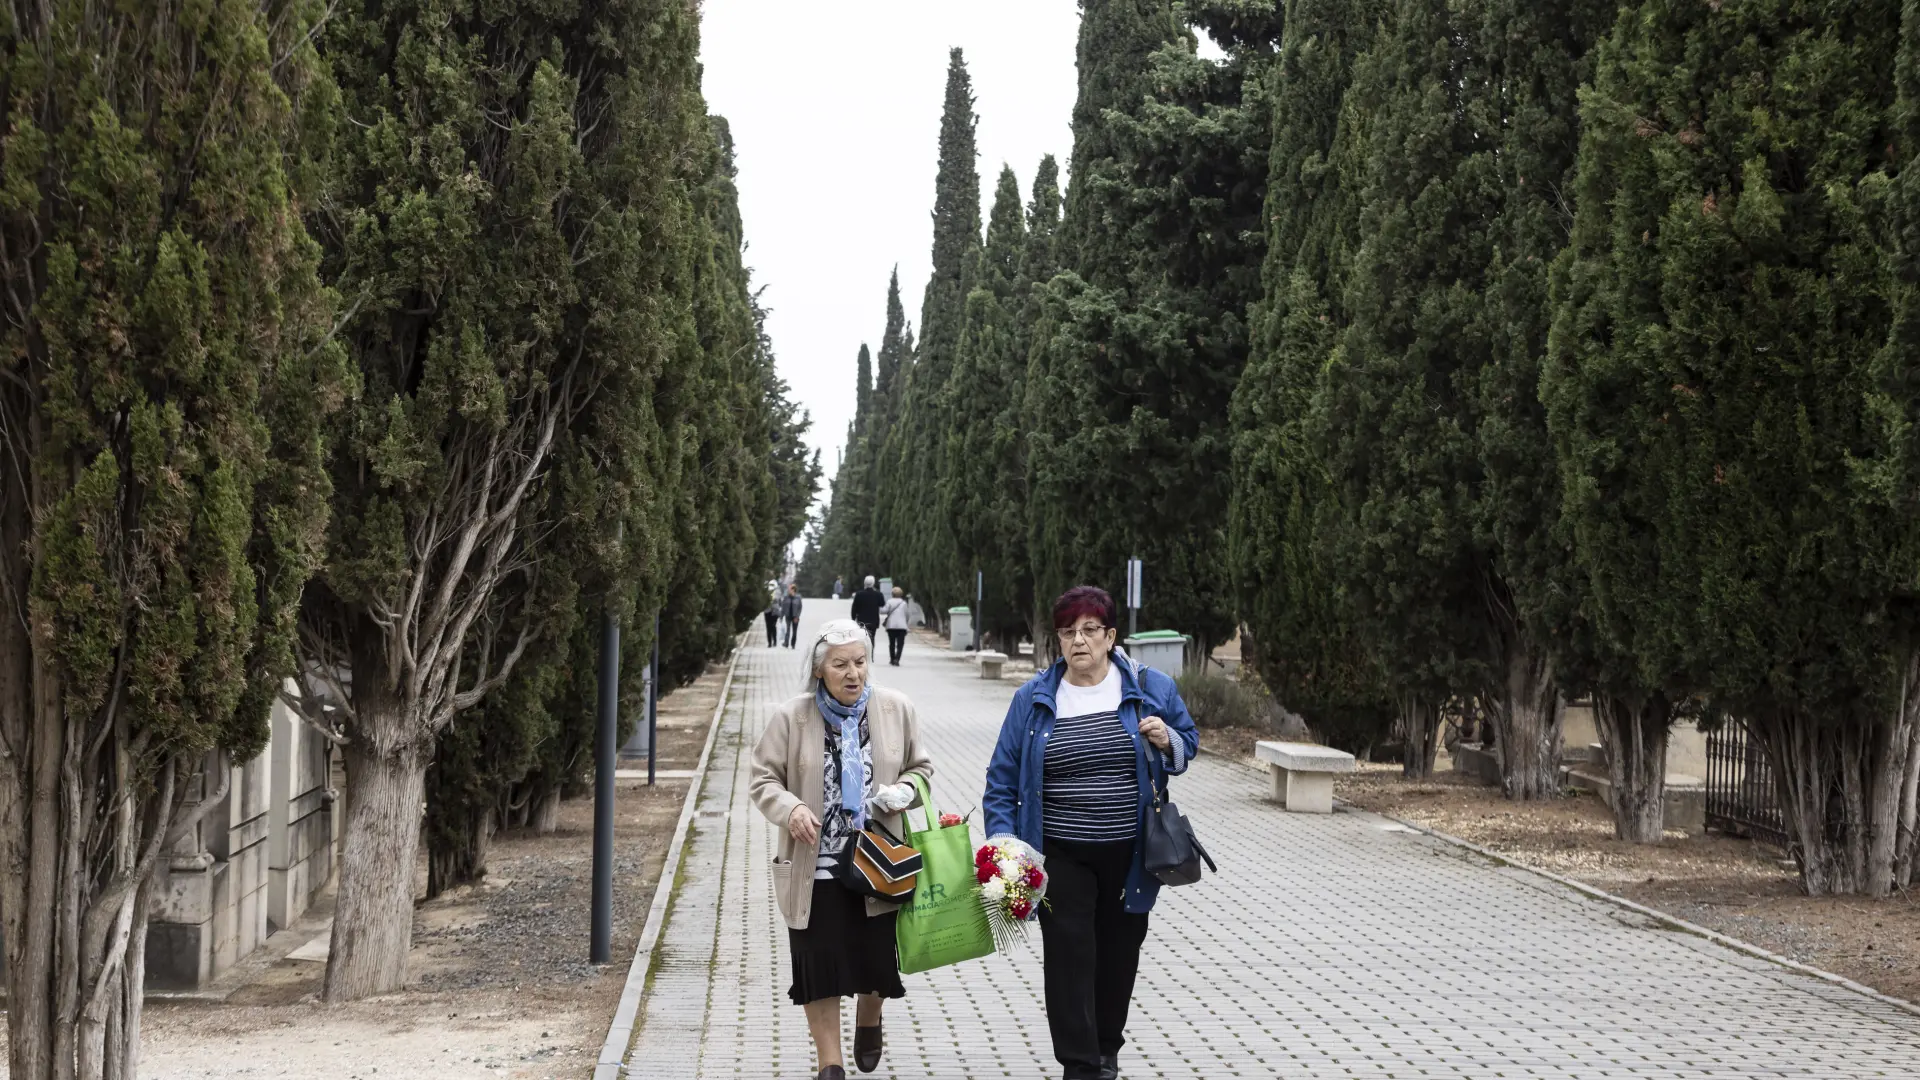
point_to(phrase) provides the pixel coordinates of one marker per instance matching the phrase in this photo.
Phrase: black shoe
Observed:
(1109, 1067)
(832, 1072)
(866, 1048)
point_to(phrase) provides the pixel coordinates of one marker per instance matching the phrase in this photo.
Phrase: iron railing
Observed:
(1741, 799)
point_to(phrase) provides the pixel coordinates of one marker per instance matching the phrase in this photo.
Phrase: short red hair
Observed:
(1081, 601)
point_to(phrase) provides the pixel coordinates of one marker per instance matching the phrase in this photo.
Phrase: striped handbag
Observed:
(877, 865)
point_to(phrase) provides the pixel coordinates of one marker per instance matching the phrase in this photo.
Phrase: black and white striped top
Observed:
(1090, 784)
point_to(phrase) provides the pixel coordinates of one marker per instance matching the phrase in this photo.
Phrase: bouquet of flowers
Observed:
(1013, 884)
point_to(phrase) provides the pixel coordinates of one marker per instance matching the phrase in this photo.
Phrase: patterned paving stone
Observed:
(1336, 946)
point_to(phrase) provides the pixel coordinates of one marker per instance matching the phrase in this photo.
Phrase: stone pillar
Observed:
(210, 896)
(299, 817)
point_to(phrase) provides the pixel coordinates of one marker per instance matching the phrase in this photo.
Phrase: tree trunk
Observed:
(1843, 787)
(373, 915)
(545, 815)
(460, 858)
(1419, 728)
(1635, 735)
(82, 823)
(1527, 721)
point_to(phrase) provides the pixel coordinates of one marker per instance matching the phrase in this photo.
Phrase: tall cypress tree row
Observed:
(916, 543)
(1718, 315)
(1143, 337)
(980, 490)
(165, 396)
(1305, 643)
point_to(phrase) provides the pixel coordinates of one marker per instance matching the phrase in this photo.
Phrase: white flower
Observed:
(994, 890)
(1008, 868)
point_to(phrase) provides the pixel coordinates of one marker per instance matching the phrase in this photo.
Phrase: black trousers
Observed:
(896, 644)
(793, 631)
(871, 629)
(773, 630)
(1091, 946)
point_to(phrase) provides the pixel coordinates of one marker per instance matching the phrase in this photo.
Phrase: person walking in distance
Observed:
(790, 611)
(838, 588)
(866, 608)
(773, 620)
(894, 615)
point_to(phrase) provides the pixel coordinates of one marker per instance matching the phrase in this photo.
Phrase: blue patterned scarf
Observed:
(853, 768)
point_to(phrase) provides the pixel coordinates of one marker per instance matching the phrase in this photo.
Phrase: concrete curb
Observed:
(626, 1016)
(1641, 909)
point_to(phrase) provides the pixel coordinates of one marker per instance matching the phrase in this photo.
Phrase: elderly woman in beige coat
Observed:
(829, 761)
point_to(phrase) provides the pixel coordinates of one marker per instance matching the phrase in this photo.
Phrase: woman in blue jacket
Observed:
(1082, 748)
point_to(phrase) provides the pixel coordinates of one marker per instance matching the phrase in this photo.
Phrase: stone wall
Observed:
(251, 866)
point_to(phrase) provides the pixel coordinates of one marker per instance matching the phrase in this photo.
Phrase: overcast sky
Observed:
(835, 110)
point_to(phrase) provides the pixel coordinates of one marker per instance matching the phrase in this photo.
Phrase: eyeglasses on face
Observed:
(1081, 633)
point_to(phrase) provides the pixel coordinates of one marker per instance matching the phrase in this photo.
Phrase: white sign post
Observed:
(1136, 590)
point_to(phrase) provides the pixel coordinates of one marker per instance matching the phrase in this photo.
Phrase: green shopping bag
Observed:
(946, 922)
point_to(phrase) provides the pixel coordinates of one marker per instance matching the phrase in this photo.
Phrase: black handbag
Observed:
(1169, 849)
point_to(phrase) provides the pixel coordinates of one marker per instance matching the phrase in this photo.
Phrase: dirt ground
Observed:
(501, 986)
(1741, 888)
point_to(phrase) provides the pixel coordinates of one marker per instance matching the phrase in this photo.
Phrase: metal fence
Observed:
(1740, 795)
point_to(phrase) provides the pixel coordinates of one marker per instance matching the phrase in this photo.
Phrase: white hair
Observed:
(833, 632)
(869, 581)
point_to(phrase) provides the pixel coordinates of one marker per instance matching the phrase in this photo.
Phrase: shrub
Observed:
(1218, 701)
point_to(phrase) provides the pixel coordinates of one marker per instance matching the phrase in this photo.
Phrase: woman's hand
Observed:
(892, 799)
(1154, 730)
(804, 826)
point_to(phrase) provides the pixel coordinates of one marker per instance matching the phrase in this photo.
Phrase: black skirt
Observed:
(843, 952)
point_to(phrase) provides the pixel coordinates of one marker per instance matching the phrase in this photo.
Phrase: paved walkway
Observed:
(1339, 946)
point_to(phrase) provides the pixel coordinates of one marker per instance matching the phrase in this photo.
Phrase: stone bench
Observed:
(991, 663)
(1303, 774)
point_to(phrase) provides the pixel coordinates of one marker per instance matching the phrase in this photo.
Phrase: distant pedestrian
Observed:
(837, 587)
(895, 617)
(828, 762)
(866, 609)
(1084, 745)
(773, 622)
(790, 611)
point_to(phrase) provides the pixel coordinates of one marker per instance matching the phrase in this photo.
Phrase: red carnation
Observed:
(984, 857)
(1020, 909)
(983, 874)
(1035, 878)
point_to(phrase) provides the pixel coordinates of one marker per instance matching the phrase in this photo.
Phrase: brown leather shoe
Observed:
(867, 1044)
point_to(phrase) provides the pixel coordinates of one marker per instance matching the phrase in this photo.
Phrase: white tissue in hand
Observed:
(890, 800)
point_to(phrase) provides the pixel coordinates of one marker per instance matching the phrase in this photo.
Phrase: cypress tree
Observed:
(896, 352)
(845, 545)
(918, 545)
(165, 399)
(1436, 443)
(1304, 642)
(1718, 314)
(500, 256)
(508, 760)
(980, 492)
(1143, 335)
(1039, 263)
